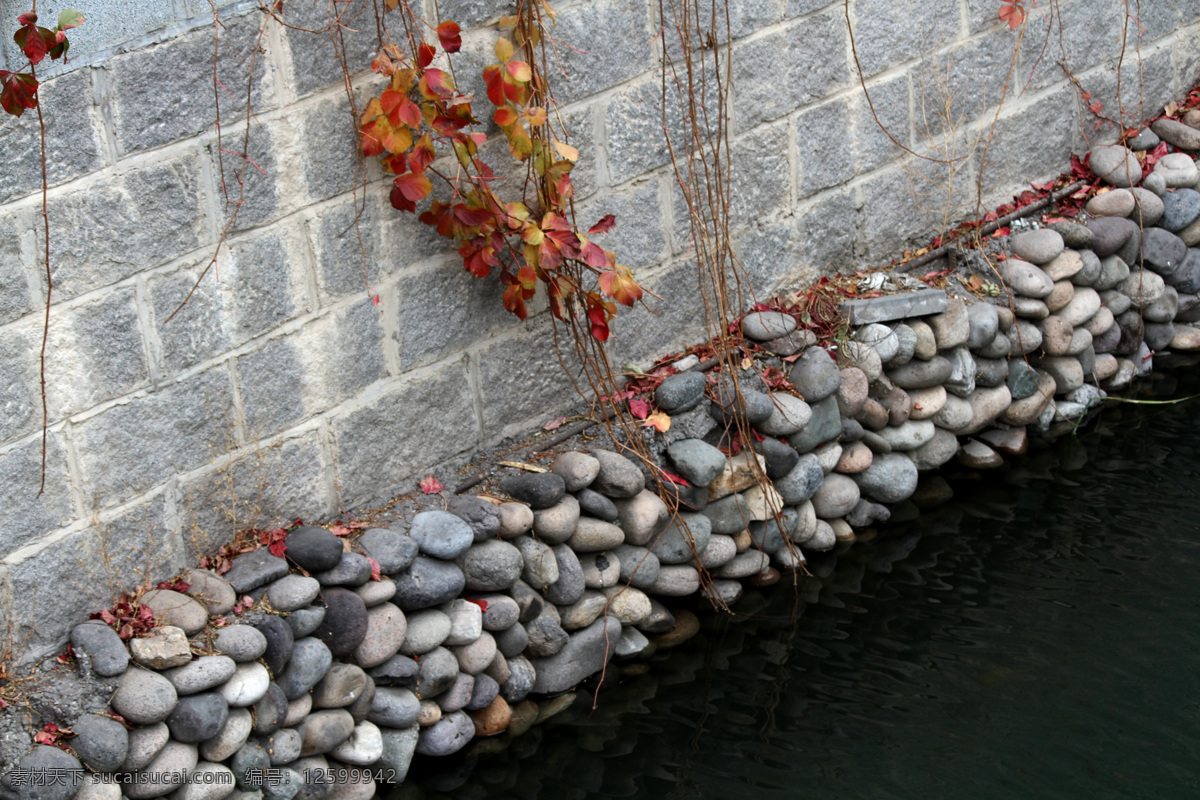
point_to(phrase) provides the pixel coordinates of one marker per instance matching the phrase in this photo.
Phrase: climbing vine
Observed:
(18, 92)
(529, 241)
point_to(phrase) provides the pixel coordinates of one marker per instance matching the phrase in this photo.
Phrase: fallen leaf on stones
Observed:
(554, 423)
(481, 603)
(376, 571)
(659, 421)
(431, 485)
(639, 408)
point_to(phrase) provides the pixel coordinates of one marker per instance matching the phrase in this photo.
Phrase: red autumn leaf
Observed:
(431, 485)
(413, 185)
(409, 113)
(425, 54)
(422, 154)
(673, 478)
(436, 83)
(594, 255)
(28, 18)
(493, 76)
(1013, 14)
(554, 424)
(599, 322)
(640, 409)
(448, 35)
(471, 216)
(620, 286)
(372, 139)
(483, 604)
(605, 224)
(278, 548)
(33, 42)
(376, 570)
(514, 301)
(19, 92)
(400, 202)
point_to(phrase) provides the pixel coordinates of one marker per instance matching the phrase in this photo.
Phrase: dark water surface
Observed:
(1036, 637)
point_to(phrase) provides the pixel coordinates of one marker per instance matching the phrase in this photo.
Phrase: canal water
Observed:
(1036, 636)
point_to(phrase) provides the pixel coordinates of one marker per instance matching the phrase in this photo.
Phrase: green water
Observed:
(1036, 637)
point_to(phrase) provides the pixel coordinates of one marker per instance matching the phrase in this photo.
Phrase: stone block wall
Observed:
(163, 433)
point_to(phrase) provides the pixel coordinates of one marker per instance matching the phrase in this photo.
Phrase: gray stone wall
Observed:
(281, 391)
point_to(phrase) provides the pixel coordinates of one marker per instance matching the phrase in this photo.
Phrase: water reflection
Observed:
(1034, 637)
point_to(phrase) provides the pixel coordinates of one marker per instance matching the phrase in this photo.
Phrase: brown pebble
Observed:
(494, 719)
(768, 577)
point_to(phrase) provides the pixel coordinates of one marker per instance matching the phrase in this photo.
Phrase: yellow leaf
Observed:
(566, 151)
(659, 421)
(504, 49)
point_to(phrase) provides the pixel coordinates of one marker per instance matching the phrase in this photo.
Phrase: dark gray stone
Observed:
(279, 638)
(447, 736)
(352, 570)
(436, 672)
(345, 624)
(310, 661)
(755, 406)
(680, 393)
(428, 582)
(314, 549)
(394, 708)
(444, 535)
(396, 671)
(619, 477)
(569, 586)
(1074, 235)
(198, 717)
(922, 374)
(728, 515)
(100, 742)
(892, 477)
(394, 551)
(698, 462)
(102, 646)
(1130, 252)
(303, 621)
(768, 535)
(485, 691)
(1022, 380)
(270, 711)
(458, 695)
(824, 426)
(321, 731)
(780, 457)
(639, 566)
(1181, 207)
(1110, 233)
(597, 505)
(491, 566)
(675, 545)
(482, 516)
(802, 482)
(529, 602)
(537, 490)
(815, 376)
(512, 641)
(585, 653)
(545, 636)
(253, 570)
(45, 760)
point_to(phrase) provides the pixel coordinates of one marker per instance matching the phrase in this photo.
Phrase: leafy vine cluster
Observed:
(531, 241)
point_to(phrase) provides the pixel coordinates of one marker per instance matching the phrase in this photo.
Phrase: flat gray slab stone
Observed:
(895, 306)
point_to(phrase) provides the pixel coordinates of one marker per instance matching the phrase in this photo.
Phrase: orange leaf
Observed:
(519, 70)
(658, 421)
(505, 116)
(566, 151)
